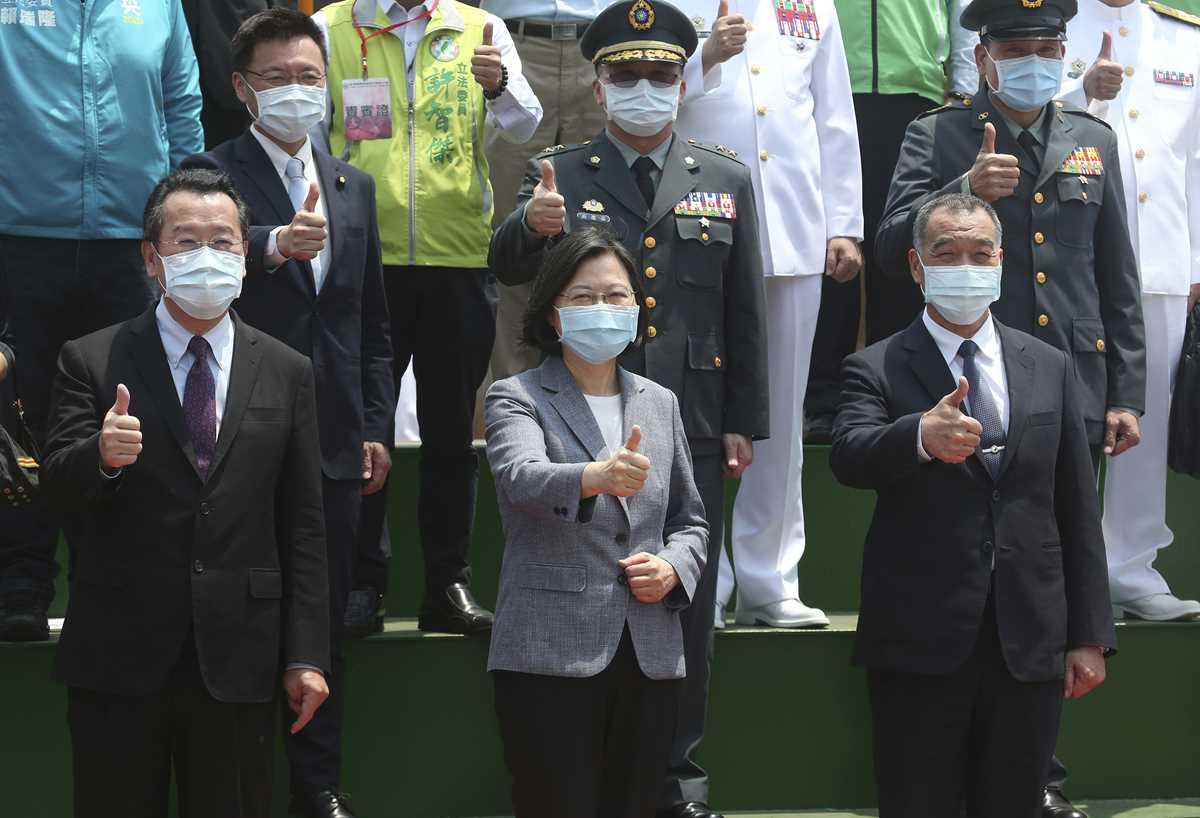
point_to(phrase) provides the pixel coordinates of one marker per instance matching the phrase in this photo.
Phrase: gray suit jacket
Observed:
(563, 601)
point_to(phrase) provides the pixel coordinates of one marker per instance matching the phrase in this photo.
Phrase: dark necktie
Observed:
(979, 401)
(1029, 144)
(645, 183)
(200, 405)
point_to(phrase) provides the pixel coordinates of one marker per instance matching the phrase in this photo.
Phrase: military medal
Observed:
(1179, 78)
(797, 18)
(593, 211)
(1083, 162)
(701, 28)
(707, 206)
(1077, 68)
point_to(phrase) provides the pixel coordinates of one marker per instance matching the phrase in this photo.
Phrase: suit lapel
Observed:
(334, 195)
(1058, 147)
(1018, 371)
(242, 375)
(612, 174)
(678, 180)
(151, 361)
(259, 170)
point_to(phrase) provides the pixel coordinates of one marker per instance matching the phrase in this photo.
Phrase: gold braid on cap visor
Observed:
(643, 50)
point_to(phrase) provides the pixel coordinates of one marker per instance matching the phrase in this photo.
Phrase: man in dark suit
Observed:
(984, 586)
(187, 440)
(686, 211)
(316, 283)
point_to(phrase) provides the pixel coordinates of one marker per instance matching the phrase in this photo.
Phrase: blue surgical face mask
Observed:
(961, 293)
(1027, 83)
(598, 333)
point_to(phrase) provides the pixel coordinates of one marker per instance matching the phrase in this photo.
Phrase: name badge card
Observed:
(367, 109)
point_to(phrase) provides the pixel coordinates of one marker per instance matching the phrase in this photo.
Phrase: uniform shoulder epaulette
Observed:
(952, 105)
(1068, 108)
(1167, 11)
(718, 149)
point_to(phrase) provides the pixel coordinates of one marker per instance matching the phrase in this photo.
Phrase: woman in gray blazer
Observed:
(605, 540)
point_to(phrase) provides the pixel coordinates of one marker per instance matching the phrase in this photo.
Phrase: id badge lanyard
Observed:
(380, 32)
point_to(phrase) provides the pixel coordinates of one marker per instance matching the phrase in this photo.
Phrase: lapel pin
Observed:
(341, 182)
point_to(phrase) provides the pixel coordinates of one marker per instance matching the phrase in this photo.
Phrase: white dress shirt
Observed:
(989, 361)
(175, 340)
(515, 113)
(1157, 123)
(279, 159)
(606, 409)
(785, 105)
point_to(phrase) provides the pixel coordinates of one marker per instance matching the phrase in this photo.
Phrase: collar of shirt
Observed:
(1037, 127)
(175, 339)
(398, 13)
(658, 156)
(279, 157)
(948, 342)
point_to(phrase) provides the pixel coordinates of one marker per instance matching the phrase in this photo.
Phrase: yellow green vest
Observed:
(432, 192)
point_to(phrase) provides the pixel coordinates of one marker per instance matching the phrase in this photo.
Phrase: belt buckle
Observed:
(563, 31)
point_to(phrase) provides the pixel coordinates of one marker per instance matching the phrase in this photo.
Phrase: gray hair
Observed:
(198, 180)
(960, 203)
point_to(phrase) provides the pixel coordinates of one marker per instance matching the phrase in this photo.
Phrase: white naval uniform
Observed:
(1157, 121)
(785, 105)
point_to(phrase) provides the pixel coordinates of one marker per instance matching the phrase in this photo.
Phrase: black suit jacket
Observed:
(927, 562)
(707, 340)
(345, 328)
(240, 557)
(1070, 276)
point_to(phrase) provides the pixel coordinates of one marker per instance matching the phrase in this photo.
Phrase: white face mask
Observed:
(204, 282)
(289, 112)
(961, 293)
(642, 110)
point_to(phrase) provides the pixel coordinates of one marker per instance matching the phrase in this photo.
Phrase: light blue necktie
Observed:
(297, 185)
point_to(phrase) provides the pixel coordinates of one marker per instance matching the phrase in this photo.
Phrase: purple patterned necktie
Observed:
(200, 405)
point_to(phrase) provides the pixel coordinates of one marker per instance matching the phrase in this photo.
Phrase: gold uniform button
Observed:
(1099, 344)
(762, 110)
(1129, 70)
(1133, 113)
(1038, 238)
(763, 155)
(1038, 197)
(717, 362)
(651, 331)
(1123, 31)
(1043, 320)
(649, 242)
(1041, 277)
(651, 303)
(704, 237)
(1139, 154)
(756, 69)
(651, 272)
(1143, 196)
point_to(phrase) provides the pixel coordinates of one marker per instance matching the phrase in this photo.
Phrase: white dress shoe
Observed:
(718, 617)
(787, 613)
(1158, 608)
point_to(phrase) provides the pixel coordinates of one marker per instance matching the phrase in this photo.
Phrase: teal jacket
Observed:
(98, 101)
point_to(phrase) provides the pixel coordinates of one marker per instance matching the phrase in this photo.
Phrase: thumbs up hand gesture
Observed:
(305, 237)
(946, 433)
(485, 63)
(546, 212)
(120, 434)
(622, 475)
(1103, 79)
(994, 175)
(728, 38)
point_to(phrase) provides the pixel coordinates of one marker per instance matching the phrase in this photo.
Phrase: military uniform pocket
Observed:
(1078, 208)
(702, 250)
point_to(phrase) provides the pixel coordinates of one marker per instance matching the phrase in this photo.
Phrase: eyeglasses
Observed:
(587, 298)
(628, 79)
(277, 79)
(223, 245)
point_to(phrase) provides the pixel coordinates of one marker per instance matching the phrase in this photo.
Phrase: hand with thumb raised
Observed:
(486, 61)
(120, 434)
(727, 38)
(994, 175)
(1104, 77)
(304, 238)
(623, 474)
(946, 433)
(546, 210)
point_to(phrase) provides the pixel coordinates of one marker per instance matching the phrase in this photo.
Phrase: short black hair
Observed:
(559, 267)
(199, 180)
(270, 26)
(962, 204)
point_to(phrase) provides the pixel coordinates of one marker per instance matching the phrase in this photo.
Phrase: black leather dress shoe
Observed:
(1056, 805)
(364, 613)
(689, 809)
(324, 804)
(455, 611)
(23, 618)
